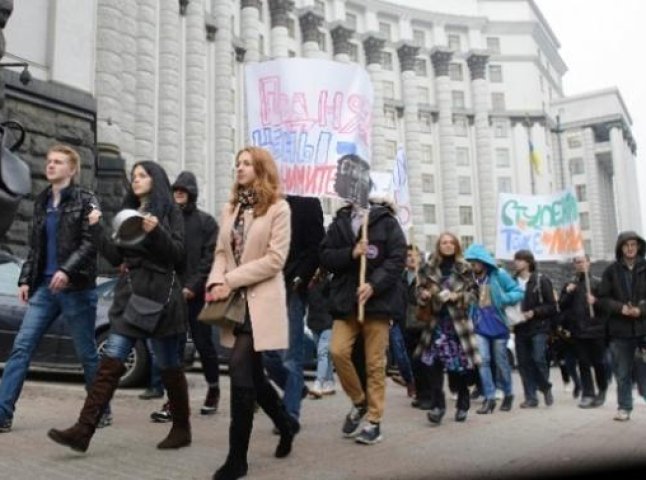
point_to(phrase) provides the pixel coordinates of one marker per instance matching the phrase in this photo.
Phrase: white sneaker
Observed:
(316, 391)
(499, 395)
(328, 388)
(622, 416)
(567, 387)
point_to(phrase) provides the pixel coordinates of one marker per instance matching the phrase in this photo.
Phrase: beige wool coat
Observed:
(266, 246)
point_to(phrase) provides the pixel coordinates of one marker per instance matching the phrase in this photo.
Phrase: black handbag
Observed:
(144, 313)
(229, 312)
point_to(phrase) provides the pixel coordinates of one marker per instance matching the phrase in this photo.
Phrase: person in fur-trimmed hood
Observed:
(446, 290)
(340, 253)
(622, 294)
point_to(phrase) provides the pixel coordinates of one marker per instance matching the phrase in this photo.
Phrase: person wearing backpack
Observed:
(538, 307)
(496, 290)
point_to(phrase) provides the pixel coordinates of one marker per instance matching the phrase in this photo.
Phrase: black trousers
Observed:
(461, 382)
(590, 353)
(421, 371)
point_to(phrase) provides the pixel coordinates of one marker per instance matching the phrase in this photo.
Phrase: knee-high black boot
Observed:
(243, 403)
(78, 436)
(180, 433)
(273, 406)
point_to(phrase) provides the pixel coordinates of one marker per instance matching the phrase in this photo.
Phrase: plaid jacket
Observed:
(460, 281)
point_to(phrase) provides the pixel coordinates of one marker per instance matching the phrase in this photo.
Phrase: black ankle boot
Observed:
(461, 415)
(435, 415)
(506, 403)
(488, 406)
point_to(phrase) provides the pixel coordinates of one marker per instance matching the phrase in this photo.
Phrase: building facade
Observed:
(464, 87)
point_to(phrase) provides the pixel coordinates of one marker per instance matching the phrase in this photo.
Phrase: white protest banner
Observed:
(400, 190)
(309, 114)
(547, 225)
(382, 185)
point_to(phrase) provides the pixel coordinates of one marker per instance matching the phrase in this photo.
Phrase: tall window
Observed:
(389, 89)
(391, 149)
(466, 216)
(387, 61)
(421, 68)
(502, 158)
(291, 27)
(431, 241)
(495, 73)
(429, 213)
(423, 95)
(457, 98)
(391, 117)
(576, 166)
(584, 220)
(261, 44)
(354, 52)
(581, 193)
(427, 154)
(464, 185)
(466, 241)
(462, 155)
(460, 125)
(574, 141)
(419, 37)
(455, 72)
(498, 101)
(428, 183)
(425, 121)
(500, 128)
(493, 45)
(320, 6)
(454, 42)
(322, 42)
(386, 30)
(504, 184)
(351, 20)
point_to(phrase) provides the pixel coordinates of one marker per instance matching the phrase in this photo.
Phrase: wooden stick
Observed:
(588, 290)
(362, 264)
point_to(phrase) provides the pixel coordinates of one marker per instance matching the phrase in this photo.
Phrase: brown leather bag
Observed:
(228, 312)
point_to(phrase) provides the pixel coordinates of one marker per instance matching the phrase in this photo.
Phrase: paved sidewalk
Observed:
(562, 438)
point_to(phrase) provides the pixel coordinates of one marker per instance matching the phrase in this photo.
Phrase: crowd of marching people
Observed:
(445, 318)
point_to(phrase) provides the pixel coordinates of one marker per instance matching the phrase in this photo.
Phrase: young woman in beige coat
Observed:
(252, 247)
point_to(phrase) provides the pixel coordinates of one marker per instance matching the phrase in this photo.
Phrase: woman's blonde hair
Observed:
(267, 183)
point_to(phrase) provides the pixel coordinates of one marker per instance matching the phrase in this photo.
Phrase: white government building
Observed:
(461, 85)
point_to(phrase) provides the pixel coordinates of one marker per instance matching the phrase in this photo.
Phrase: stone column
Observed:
(195, 92)
(109, 70)
(598, 219)
(374, 46)
(169, 118)
(224, 98)
(279, 11)
(477, 62)
(250, 28)
(6, 8)
(441, 56)
(620, 176)
(310, 20)
(128, 102)
(145, 115)
(407, 56)
(341, 36)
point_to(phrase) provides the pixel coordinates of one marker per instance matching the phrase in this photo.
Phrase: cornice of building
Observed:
(596, 94)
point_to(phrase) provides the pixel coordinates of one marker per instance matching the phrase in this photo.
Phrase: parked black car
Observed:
(56, 349)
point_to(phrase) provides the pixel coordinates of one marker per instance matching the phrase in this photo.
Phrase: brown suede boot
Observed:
(105, 383)
(180, 433)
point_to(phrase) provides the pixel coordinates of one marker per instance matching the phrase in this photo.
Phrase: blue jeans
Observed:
(324, 368)
(285, 368)
(532, 363)
(503, 369)
(398, 347)
(624, 365)
(165, 349)
(79, 311)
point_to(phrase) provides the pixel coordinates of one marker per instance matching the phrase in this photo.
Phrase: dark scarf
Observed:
(246, 199)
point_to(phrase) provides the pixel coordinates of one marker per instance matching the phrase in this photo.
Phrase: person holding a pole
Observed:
(587, 327)
(363, 307)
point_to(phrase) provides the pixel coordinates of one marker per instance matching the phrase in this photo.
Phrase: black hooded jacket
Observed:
(385, 262)
(201, 233)
(621, 286)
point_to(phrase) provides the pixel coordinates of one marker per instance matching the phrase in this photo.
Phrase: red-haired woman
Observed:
(252, 247)
(447, 287)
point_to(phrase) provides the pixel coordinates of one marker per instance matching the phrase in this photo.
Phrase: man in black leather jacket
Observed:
(58, 277)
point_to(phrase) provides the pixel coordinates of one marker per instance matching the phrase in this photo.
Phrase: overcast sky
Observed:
(602, 44)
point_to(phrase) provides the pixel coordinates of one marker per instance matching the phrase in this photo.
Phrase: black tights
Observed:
(245, 365)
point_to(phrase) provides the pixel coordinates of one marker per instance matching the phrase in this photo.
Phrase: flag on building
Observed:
(534, 158)
(401, 191)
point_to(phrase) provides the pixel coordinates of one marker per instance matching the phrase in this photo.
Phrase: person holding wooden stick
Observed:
(384, 247)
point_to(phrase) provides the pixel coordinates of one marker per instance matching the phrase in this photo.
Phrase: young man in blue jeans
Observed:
(58, 277)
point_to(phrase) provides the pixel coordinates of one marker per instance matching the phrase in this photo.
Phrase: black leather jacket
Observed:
(77, 254)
